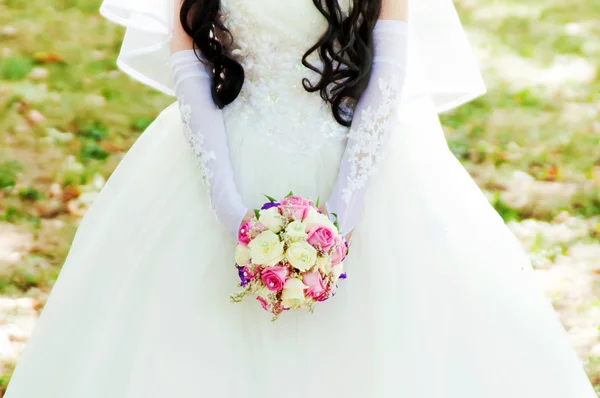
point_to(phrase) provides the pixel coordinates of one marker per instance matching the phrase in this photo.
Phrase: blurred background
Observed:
(68, 115)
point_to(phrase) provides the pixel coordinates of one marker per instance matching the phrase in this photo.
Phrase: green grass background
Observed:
(67, 116)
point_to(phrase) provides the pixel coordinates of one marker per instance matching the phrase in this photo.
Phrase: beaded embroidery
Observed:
(196, 140)
(366, 151)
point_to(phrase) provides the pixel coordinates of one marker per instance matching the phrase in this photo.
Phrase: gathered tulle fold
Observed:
(145, 50)
(439, 302)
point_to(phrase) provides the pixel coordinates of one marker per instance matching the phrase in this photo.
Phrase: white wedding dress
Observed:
(440, 299)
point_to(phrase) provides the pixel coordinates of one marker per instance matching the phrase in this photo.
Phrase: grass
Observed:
(537, 117)
(67, 115)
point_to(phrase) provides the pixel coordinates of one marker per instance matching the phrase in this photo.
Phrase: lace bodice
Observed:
(273, 108)
(270, 39)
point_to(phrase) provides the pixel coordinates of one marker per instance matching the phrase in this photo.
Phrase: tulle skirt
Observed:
(440, 300)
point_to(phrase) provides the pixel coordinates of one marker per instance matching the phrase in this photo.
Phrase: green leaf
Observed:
(336, 221)
(270, 199)
(289, 194)
(257, 213)
(91, 150)
(8, 173)
(30, 193)
(318, 200)
(15, 68)
(95, 131)
(142, 123)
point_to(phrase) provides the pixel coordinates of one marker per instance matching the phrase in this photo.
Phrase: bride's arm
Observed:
(373, 116)
(205, 129)
(394, 10)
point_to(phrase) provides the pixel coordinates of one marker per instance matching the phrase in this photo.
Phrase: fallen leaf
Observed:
(110, 147)
(70, 192)
(47, 57)
(49, 208)
(551, 173)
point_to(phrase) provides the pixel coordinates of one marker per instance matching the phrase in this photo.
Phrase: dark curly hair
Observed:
(345, 49)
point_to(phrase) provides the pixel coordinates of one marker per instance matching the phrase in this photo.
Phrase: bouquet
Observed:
(289, 256)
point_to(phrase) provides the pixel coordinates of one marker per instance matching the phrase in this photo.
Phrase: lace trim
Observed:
(273, 103)
(366, 150)
(196, 140)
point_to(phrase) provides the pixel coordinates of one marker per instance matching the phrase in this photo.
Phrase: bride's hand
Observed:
(348, 236)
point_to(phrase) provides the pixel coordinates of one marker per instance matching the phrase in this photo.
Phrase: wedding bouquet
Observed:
(289, 256)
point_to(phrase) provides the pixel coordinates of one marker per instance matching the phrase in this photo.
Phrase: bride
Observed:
(335, 99)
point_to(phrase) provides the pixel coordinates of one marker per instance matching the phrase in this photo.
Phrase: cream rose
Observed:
(271, 219)
(266, 249)
(301, 255)
(296, 231)
(337, 271)
(293, 293)
(324, 264)
(314, 218)
(242, 255)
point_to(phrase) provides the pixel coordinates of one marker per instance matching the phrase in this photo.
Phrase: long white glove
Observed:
(372, 123)
(205, 131)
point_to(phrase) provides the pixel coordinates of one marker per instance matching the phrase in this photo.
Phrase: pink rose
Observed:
(295, 207)
(244, 233)
(263, 303)
(316, 286)
(275, 277)
(321, 237)
(339, 252)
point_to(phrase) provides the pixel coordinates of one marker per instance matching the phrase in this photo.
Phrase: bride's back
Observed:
(270, 38)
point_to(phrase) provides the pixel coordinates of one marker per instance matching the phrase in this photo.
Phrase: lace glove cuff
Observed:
(373, 120)
(205, 131)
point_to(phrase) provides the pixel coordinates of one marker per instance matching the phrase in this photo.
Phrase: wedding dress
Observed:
(440, 299)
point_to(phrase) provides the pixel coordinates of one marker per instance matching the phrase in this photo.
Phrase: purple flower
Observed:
(347, 250)
(268, 205)
(343, 276)
(243, 274)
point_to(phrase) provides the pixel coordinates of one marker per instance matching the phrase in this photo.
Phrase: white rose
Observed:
(337, 271)
(242, 255)
(295, 231)
(266, 249)
(271, 219)
(292, 295)
(301, 255)
(324, 264)
(315, 218)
